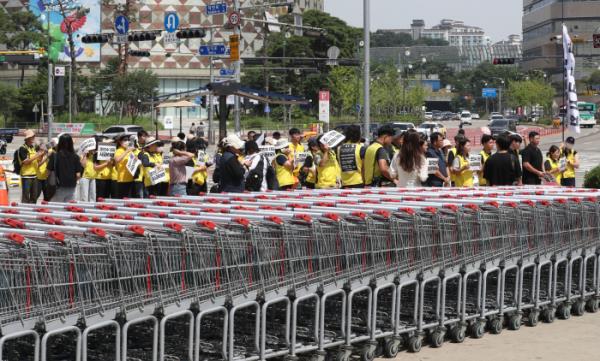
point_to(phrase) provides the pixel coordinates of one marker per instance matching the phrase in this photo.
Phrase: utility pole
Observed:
(210, 96)
(367, 71)
(237, 67)
(50, 85)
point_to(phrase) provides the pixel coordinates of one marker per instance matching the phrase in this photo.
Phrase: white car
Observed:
(428, 115)
(495, 116)
(429, 127)
(474, 116)
(465, 118)
(115, 130)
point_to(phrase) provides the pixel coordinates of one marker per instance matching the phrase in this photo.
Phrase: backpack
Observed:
(272, 183)
(254, 179)
(16, 161)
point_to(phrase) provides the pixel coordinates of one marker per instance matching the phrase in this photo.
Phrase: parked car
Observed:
(428, 115)
(447, 116)
(429, 127)
(115, 130)
(465, 118)
(8, 134)
(475, 116)
(495, 117)
(402, 126)
(499, 126)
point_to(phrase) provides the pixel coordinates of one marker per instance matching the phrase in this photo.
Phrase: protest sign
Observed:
(475, 161)
(268, 151)
(300, 158)
(432, 165)
(332, 138)
(106, 151)
(87, 145)
(132, 163)
(157, 175)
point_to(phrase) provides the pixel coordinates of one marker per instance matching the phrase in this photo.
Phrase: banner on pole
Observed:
(572, 115)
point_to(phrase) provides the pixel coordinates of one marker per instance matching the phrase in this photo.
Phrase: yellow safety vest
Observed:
(88, 171)
(452, 175)
(294, 149)
(311, 177)
(570, 170)
(199, 178)
(464, 179)
(371, 165)
(484, 158)
(327, 175)
(123, 175)
(285, 177)
(155, 158)
(555, 165)
(42, 170)
(351, 164)
(106, 172)
(31, 169)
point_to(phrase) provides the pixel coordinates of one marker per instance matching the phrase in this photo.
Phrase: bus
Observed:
(587, 114)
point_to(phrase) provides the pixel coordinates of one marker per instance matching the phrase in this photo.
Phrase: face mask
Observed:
(159, 150)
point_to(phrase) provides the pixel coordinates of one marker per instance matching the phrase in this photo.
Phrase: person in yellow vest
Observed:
(328, 169)
(309, 168)
(376, 167)
(571, 163)
(284, 165)
(124, 177)
(152, 162)
(462, 170)
(138, 178)
(42, 171)
(552, 165)
(104, 171)
(488, 142)
(87, 183)
(296, 147)
(451, 156)
(28, 157)
(199, 179)
(351, 155)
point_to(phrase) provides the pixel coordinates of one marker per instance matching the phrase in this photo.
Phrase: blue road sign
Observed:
(226, 72)
(215, 9)
(171, 22)
(198, 100)
(358, 107)
(489, 92)
(216, 49)
(267, 108)
(122, 24)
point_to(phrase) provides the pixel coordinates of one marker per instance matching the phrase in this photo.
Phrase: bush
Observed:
(592, 178)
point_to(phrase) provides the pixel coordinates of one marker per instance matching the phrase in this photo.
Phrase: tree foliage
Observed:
(21, 30)
(387, 39)
(133, 90)
(9, 100)
(528, 93)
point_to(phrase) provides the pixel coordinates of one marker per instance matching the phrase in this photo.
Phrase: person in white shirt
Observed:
(409, 166)
(256, 175)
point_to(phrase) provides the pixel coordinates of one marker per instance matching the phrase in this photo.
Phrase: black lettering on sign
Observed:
(348, 158)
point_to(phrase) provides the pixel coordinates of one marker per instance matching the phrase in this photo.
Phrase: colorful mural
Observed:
(84, 20)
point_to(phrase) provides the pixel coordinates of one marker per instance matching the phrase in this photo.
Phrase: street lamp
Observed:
(423, 62)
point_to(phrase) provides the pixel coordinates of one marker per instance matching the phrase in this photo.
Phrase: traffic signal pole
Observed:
(50, 85)
(238, 77)
(367, 71)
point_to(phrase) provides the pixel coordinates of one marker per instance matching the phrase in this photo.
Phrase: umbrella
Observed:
(179, 104)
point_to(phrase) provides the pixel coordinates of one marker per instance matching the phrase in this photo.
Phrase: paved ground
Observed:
(574, 339)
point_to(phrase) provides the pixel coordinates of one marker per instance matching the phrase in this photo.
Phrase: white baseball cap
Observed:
(233, 141)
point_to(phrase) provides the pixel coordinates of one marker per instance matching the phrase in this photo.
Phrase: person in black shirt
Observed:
(231, 171)
(440, 177)
(67, 167)
(502, 168)
(533, 160)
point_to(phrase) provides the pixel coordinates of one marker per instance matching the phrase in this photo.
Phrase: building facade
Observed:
(542, 22)
(455, 32)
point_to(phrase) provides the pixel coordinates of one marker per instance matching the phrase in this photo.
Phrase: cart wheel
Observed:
(414, 344)
(533, 318)
(436, 339)
(563, 312)
(548, 315)
(367, 354)
(458, 334)
(514, 322)
(477, 329)
(342, 356)
(391, 348)
(496, 326)
(578, 308)
(591, 305)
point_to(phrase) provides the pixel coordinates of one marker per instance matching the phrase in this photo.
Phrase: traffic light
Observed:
(95, 39)
(192, 33)
(503, 61)
(142, 36)
(139, 53)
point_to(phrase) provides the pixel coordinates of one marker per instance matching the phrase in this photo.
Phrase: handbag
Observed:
(52, 178)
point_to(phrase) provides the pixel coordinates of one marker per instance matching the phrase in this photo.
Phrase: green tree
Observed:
(529, 93)
(344, 89)
(594, 78)
(21, 30)
(9, 100)
(386, 39)
(132, 90)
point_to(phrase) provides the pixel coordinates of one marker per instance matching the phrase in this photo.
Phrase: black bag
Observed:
(272, 182)
(254, 179)
(17, 162)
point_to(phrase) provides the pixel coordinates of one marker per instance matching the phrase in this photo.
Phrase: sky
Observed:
(499, 18)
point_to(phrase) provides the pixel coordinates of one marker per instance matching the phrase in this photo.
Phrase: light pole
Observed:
(367, 62)
(238, 69)
(423, 62)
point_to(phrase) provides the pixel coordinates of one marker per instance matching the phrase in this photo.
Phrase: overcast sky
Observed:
(498, 18)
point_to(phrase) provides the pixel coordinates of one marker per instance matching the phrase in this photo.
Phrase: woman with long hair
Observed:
(67, 167)
(409, 166)
(552, 164)
(462, 169)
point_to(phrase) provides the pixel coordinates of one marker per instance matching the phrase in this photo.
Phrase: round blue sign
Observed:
(171, 22)
(122, 25)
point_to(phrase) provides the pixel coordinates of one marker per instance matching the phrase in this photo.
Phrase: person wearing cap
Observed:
(28, 157)
(377, 160)
(231, 171)
(309, 167)
(87, 183)
(296, 147)
(284, 165)
(328, 169)
(446, 145)
(177, 172)
(124, 177)
(571, 163)
(104, 172)
(152, 160)
(351, 155)
(440, 177)
(488, 143)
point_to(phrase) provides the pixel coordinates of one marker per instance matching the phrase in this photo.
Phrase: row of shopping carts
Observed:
(325, 274)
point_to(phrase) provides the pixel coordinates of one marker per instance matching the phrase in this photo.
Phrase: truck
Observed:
(587, 114)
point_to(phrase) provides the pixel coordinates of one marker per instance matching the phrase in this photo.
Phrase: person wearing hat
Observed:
(571, 163)
(124, 177)
(152, 161)
(231, 171)
(177, 169)
(284, 164)
(27, 158)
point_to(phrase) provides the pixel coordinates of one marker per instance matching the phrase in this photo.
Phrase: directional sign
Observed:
(122, 24)
(215, 49)
(171, 22)
(226, 72)
(2, 58)
(489, 92)
(215, 9)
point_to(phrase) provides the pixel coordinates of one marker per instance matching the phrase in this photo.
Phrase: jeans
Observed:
(178, 189)
(64, 194)
(87, 190)
(567, 182)
(29, 190)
